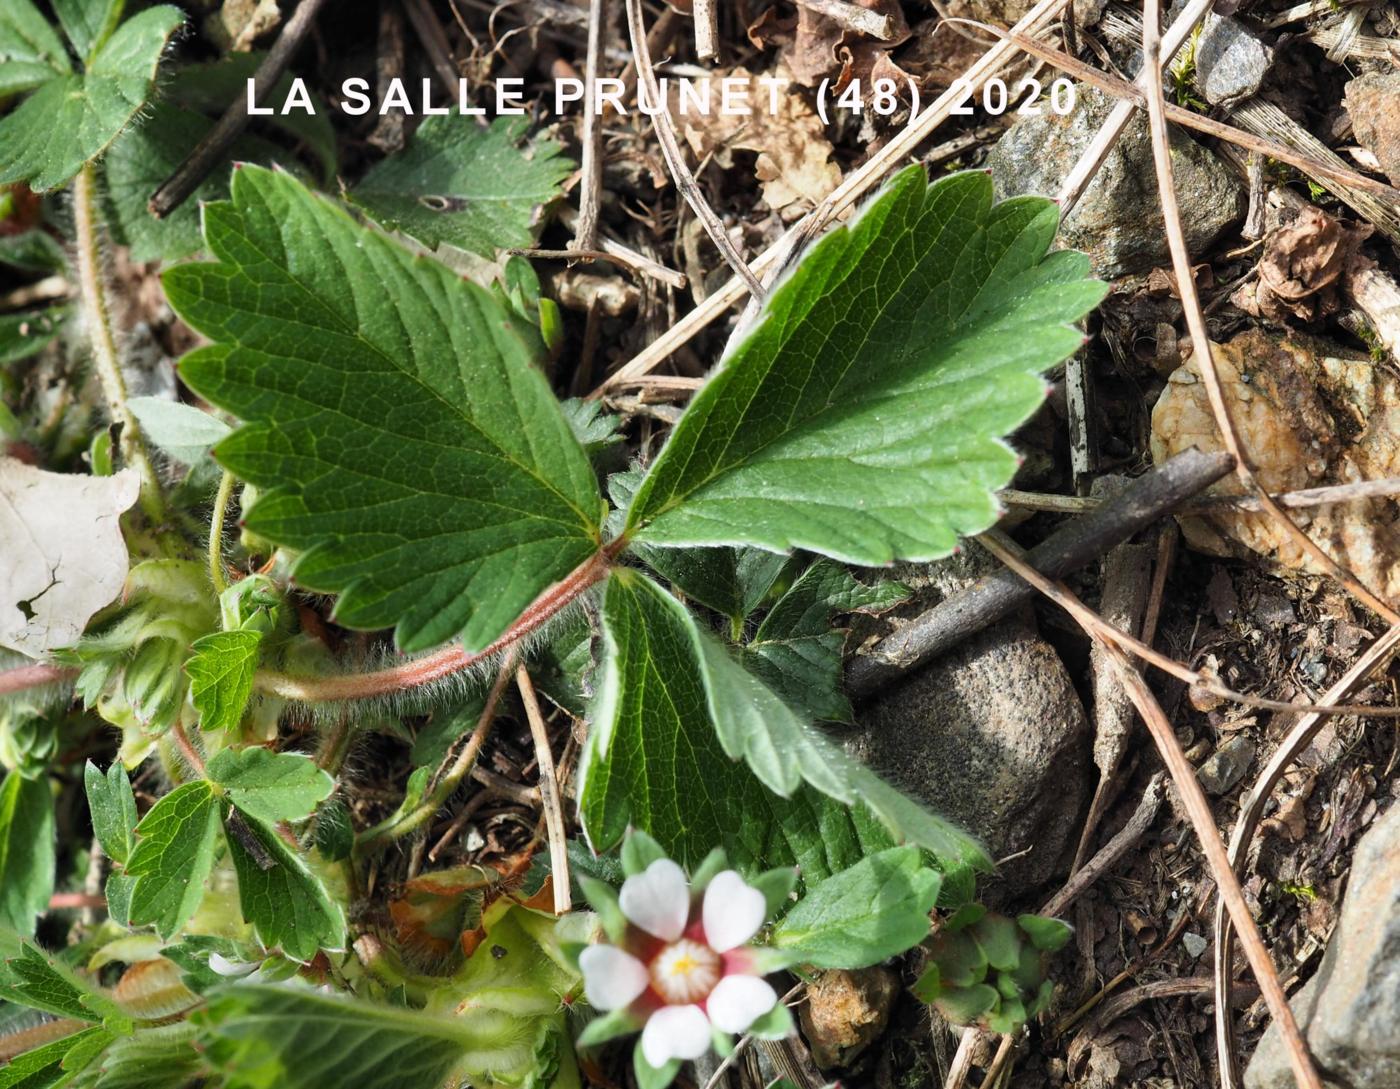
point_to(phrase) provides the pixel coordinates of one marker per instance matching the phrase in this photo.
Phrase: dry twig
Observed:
(549, 793)
(675, 158)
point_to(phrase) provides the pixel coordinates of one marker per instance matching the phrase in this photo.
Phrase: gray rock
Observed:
(1118, 220)
(1231, 60)
(1226, 766)
(994, 737)
(1350, 1010)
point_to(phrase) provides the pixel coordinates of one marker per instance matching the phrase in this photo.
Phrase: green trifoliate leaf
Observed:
(52, 1063)
(26, 851)
(874, 910)
(462, 185)
(70, 119)
(862, 417)
(410, 449)
(184, 432)
(271, 786)
(221, 676)
(798, 652)
(174, 853)
(42, 983)
(283, 900)
(291, 1037)
(112, 806)
(88, 23)
(653, 759)
(30, 52)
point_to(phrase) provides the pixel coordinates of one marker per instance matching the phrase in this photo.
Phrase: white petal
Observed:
(738, 1001)
(675, 1032)
(225, 967)
(658, 899)
(612, 978)
(733, 911)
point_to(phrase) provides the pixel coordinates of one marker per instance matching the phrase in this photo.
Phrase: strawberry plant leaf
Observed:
(862, 416)
(41, 982)
(271, 786)
(283, 900)
(798, 653)
(429, 478)
(88, 23)
(29, 332)
(26, 851)
(143, 158)
(459, 184)
(31, 53)
(876, 909)
(221, 677)
(70, 118)
(653, 759)
(184, 432)
(262, 1035)
(173, 856)
(113, 808)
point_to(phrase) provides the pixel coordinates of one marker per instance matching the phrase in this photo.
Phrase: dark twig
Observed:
(1149, 497)
(434, 38)
(210, 151)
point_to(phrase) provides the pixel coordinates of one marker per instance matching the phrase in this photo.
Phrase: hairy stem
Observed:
(34, 676)
(104, 341)
(449, 777)
(216, 532)
(440, 663)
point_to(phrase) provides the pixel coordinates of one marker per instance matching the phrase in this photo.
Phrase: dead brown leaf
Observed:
(1303, 262)
(794, 166)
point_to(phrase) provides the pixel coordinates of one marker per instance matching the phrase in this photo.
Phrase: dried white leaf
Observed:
(62, 556)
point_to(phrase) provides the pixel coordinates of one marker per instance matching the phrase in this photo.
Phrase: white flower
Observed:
(682, 971)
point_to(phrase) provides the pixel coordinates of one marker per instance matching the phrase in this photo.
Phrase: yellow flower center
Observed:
(685, 972)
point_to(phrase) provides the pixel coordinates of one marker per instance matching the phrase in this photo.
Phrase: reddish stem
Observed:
(33, 676)
(76, 900)
(448, 660)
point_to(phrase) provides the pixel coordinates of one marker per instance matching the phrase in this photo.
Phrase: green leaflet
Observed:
(88, 23)
(40, 982)
(798, 653)
(459, 184)
(180, 430)
(154, 1058)
(221, 676)
(26, 851)
(53, 1062)
(30, 52)
(113, 808)
(70, 118)
(876, 909)
(174, 853)
(429, 478)
(283, 900)
(862, 417)
(290, 1037)
(654, 760)
(271, 786)
(139, 162)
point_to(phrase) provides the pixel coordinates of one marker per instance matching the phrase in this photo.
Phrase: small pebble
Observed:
(1194, 943)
